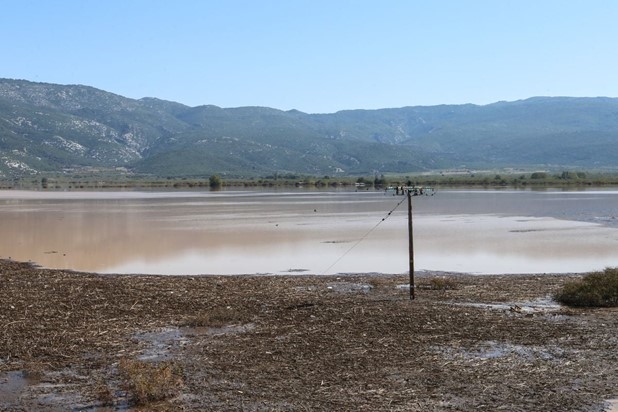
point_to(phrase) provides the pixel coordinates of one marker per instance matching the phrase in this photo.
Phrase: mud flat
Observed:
(81, 341)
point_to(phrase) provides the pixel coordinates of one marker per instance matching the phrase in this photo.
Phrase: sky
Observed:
(316, 56)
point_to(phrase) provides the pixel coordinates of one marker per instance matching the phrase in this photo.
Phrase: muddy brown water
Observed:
(319, 232)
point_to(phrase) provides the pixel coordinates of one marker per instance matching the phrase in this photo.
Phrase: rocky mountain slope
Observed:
(51, 128)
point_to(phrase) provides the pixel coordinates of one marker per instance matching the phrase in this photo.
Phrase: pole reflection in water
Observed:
(305, 232)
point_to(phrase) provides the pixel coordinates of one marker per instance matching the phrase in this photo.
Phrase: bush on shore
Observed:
(150, 382)
(599, 289)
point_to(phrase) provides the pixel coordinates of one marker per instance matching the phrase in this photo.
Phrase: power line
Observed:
(364, 236)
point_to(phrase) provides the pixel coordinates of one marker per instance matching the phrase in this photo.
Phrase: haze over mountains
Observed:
(55, 128)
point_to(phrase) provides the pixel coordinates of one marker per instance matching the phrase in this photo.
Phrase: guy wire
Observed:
(364, 236)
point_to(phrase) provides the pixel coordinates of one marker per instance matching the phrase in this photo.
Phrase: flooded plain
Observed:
(317, 232)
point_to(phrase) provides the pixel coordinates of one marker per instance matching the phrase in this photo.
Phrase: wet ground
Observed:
(77, 341)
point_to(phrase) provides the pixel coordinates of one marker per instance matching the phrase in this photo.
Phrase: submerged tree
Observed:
(215, 182)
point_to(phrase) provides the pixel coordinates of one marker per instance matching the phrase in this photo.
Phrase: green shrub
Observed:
(594, 289)
(539, 175)
(215, 182)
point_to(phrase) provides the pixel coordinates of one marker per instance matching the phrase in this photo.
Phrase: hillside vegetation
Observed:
(47, 128)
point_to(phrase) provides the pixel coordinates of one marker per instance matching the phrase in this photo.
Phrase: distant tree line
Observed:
(215, 181)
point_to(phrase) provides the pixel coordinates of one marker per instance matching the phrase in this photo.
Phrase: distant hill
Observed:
(51, 128)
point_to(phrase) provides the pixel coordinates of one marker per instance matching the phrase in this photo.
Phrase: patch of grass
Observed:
(104, 394)
(596, 289)
(379, 282)
(150, 382)
(439, 283)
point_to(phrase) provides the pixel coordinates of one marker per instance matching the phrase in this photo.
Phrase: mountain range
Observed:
(51, 128)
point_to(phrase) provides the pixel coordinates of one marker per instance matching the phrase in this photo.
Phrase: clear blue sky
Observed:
(317, 56)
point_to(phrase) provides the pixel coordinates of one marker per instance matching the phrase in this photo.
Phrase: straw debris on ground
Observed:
(73, 340)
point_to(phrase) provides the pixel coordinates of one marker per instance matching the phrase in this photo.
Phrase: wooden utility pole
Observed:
(411, 244)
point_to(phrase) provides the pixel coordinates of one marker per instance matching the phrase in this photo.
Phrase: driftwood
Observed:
(303, 342)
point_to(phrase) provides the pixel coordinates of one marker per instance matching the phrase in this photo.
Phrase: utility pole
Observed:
(411, 244)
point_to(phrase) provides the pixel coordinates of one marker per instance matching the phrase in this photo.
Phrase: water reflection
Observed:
(309, 232)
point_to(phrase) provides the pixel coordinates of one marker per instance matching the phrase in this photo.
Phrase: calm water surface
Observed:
(235, 232)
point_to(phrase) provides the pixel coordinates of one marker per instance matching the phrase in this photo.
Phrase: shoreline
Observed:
(420, 273)
(353, 342)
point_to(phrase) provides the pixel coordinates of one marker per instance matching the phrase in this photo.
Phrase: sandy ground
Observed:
(72, 341)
